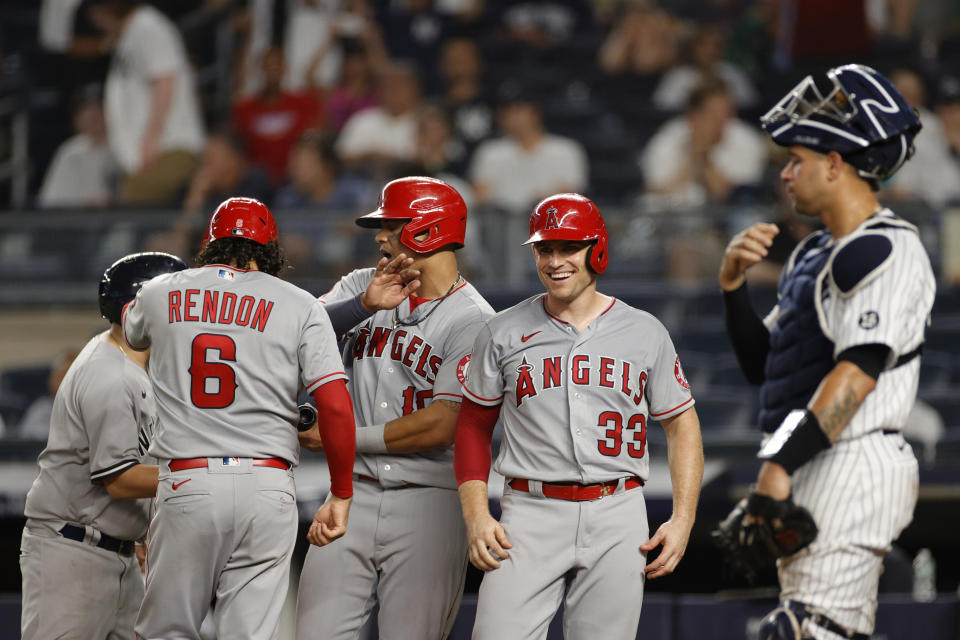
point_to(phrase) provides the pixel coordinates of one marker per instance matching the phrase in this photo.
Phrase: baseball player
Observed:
(837, 356)
(231, 345)
(405, 549)
(575, 377)
(80, 577)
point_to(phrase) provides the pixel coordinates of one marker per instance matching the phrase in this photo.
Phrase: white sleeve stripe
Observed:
(330, 377)
(113, 470)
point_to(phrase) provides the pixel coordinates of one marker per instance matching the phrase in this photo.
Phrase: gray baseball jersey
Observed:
(397, 367)
(103, 415)
(230, 350)
(870, 465)
(575, 406)
(406, 545)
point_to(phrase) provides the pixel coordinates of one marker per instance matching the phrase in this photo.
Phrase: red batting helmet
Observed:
(430, 206)
(242, 218)
(571, 216)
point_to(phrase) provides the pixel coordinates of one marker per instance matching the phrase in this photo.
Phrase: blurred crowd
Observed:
(314, 104)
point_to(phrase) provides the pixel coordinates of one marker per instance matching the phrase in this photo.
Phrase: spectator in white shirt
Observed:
(933, 174)
(528, 163)
(704, 155)
(375, 140)
(153, 117)
(82, 169)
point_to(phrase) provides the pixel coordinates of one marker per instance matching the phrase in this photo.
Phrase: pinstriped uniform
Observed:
(862, 490)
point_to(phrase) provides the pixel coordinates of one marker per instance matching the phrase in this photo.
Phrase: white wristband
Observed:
(370, 439)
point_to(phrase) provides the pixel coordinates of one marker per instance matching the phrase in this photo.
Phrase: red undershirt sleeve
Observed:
(338, 433)
(471, 451)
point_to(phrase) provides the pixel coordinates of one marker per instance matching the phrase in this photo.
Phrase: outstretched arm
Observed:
(685, 455)
(392, 283)
(429, 428)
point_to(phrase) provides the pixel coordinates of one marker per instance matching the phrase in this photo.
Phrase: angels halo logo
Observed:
(462, 367)
(678, 372)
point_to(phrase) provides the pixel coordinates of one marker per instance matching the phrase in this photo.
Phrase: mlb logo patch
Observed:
(237, 232)
(225, 274)
(231, 462)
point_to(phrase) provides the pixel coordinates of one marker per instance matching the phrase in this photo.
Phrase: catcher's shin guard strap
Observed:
(805, 612)
(798, 439)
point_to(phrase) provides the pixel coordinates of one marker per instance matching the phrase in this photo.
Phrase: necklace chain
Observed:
(411, 323)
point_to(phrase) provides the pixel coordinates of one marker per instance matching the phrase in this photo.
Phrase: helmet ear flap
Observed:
(597, 256)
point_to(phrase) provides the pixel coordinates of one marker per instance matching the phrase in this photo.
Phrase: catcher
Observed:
(837, 359)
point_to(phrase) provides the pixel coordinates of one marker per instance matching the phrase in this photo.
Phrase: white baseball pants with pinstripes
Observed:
(861, 493)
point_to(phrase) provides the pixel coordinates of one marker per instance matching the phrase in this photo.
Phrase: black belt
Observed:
(804, 611)
(73, 532)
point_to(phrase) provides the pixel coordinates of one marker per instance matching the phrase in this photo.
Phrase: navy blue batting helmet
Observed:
(856, 112)
(123, 279)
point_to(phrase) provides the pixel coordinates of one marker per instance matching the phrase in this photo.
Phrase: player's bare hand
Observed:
(140, 550)
(487, 542)
(310, 439)
(744, 250)
(330, 522)
(392, 283)
(674, 534)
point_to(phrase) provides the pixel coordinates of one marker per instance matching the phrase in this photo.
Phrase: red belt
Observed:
(577, 492)
(199, 463)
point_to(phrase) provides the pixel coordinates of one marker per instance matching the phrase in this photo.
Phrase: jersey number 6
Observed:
(611, 444)
(201, 370)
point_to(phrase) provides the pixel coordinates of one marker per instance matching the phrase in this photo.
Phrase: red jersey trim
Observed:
(416, 301)
(336, 373)
(449, 395)
(123, 328)
(543, 303)
(481, 399)
(663, 413)
(612, 302)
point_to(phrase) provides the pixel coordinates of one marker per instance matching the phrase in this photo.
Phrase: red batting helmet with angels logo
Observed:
(429, 206)
(571, 216)
(242, 218)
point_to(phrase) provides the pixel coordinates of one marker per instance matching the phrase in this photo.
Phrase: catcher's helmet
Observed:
(242, 218)
(856, 112)
(123, 279)
(430, 206)
(571, 216)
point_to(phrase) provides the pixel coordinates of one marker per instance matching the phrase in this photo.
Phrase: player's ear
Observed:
(835, 165)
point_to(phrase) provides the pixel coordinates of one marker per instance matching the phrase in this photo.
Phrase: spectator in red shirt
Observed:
(271, 121)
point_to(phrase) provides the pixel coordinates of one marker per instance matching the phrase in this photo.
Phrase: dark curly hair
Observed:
(240, 251)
